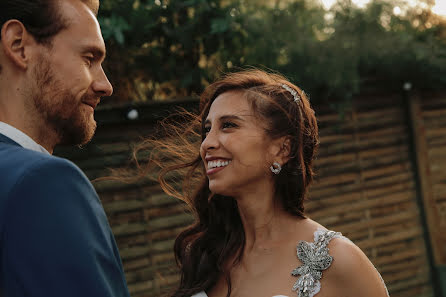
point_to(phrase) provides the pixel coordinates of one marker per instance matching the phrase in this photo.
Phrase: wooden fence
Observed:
(429, 129)
(367, 190)
(369, 187)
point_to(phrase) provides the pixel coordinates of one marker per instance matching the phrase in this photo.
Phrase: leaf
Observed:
(119, 36)
(114, 27)
(220, 26)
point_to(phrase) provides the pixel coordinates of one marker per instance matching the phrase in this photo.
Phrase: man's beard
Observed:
(60, 110)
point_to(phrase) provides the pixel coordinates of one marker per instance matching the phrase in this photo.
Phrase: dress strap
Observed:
(315, 259)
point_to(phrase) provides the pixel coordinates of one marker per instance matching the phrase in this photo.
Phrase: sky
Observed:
(439, 8)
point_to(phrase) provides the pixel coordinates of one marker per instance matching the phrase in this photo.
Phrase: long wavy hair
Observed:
(204, 249)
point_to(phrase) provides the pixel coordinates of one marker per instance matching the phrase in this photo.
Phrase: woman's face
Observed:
(236, 151)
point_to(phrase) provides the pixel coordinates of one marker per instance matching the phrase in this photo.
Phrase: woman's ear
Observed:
(285, 150)
(281, 149)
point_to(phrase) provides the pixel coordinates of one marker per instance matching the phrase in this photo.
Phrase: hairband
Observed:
(293, 92)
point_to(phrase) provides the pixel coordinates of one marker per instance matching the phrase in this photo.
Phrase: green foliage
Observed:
(114, 28)
(166, 49)
(166, 52)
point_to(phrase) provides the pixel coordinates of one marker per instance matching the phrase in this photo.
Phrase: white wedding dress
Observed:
(203, 294)
(315, 259)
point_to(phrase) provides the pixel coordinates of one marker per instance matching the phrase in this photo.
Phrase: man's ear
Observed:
(15, 40)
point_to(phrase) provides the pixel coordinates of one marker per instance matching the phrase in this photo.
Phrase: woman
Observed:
(258, 140)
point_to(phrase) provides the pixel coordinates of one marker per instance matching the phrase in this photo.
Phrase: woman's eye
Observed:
(206, 130)
(228, 125)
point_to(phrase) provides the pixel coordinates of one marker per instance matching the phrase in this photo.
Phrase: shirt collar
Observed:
(21, 138)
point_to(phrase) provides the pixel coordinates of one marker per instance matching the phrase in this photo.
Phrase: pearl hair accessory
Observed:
(293, 92)
(276, 168)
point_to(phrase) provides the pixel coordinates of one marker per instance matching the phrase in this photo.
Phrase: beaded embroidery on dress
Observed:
(315, 259)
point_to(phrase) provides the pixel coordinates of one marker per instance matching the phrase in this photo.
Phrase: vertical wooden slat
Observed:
(435, 222)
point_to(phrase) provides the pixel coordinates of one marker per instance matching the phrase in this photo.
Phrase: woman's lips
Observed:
(217, 165)
(214, 170)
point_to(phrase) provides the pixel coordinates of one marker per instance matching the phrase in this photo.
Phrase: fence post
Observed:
(429, 212)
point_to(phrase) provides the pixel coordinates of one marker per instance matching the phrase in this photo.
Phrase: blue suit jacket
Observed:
(54, 235)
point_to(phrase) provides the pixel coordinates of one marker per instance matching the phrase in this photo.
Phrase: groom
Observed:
(54, 236)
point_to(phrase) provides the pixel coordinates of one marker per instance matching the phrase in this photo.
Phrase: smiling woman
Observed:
(258, 136)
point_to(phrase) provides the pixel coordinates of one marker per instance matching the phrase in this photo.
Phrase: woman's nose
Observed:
(211, 141)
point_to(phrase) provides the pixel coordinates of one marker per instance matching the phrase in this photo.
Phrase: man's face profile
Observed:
(68, 79)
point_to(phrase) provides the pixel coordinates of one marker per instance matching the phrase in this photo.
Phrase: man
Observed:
(54, 236)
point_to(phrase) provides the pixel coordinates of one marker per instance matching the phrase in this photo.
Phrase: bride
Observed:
(251, 236)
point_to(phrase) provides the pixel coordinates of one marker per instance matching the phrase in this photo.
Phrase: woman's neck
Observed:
(264, 220)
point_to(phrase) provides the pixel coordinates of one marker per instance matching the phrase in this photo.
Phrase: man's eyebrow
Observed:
(226, 117)
(96, 51)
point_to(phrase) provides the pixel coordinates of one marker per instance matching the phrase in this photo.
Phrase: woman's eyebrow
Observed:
(226, 117)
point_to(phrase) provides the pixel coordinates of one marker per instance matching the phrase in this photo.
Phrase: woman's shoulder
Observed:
(309, 231)
(345, 268)
(352, 272)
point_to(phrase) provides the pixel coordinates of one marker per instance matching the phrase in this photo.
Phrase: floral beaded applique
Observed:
(315, 259)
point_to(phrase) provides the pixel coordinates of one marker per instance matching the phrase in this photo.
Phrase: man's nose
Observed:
(102, 85)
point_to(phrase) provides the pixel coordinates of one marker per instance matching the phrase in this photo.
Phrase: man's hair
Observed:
(41, 18)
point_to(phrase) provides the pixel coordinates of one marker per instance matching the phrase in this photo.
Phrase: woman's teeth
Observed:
(217, 163)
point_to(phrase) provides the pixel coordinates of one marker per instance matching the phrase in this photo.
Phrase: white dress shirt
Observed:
(21, 138)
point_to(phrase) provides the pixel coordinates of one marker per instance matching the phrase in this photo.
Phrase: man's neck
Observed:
(24, 122)
(20, 138)
(17, 110)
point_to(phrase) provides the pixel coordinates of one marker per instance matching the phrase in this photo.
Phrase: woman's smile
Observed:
(217, 165)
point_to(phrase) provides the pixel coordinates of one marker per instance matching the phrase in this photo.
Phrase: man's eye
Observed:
(88, 60)
(206, 130)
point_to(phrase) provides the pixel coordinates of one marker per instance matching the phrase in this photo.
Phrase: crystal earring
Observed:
(276, 168)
